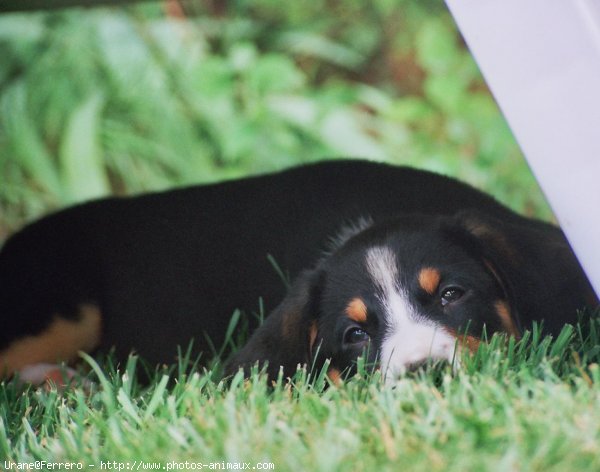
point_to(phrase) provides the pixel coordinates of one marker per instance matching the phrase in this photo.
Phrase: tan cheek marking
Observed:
(335, 376)
(357, 310)
(61, 341)
(470, 342)
(429, 279)
(506, 319)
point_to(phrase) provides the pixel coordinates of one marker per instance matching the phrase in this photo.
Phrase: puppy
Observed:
(416, 250)
(411, 289)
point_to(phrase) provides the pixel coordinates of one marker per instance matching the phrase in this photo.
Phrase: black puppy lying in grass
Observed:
(406, 263)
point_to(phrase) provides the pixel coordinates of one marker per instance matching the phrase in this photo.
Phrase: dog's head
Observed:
(400, 292)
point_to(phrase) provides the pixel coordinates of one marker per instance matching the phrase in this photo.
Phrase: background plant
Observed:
(123, 100)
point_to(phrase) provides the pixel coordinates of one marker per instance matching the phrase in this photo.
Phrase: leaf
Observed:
(342, 131)
(82, 170)
(274, 73)
(28, 149)
(19, 27)
(321, 47)
(296, 109)
(436, 46)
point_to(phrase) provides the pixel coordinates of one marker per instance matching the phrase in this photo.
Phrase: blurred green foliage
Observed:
(123, 100)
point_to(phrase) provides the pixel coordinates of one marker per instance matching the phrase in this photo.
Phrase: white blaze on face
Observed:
(409, 339)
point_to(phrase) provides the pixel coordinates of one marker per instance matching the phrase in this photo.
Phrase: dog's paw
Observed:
(49, 376)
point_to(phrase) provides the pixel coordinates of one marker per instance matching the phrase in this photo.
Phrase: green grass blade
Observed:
(157, 397)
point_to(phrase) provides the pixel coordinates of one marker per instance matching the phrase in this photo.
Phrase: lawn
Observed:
(124, 100)
(531, 405)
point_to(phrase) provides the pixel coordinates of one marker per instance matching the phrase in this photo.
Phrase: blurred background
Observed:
(148, 96)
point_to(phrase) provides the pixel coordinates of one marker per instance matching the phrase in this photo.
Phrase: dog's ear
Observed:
(489, 240)
(288, 335)
(535, 266)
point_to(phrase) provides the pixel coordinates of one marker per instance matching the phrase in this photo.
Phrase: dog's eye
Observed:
(451, 294)
(355, 335)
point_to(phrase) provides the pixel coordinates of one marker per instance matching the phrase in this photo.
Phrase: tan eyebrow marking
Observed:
(357, 310)
(429, 279)
(505, 317)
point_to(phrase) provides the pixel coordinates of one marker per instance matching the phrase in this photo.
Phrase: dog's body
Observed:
(152, 272)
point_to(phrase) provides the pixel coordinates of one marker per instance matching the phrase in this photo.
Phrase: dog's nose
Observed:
(392, 375)
(416, 365)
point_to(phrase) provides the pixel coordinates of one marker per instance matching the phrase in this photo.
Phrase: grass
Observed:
(528, 405)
